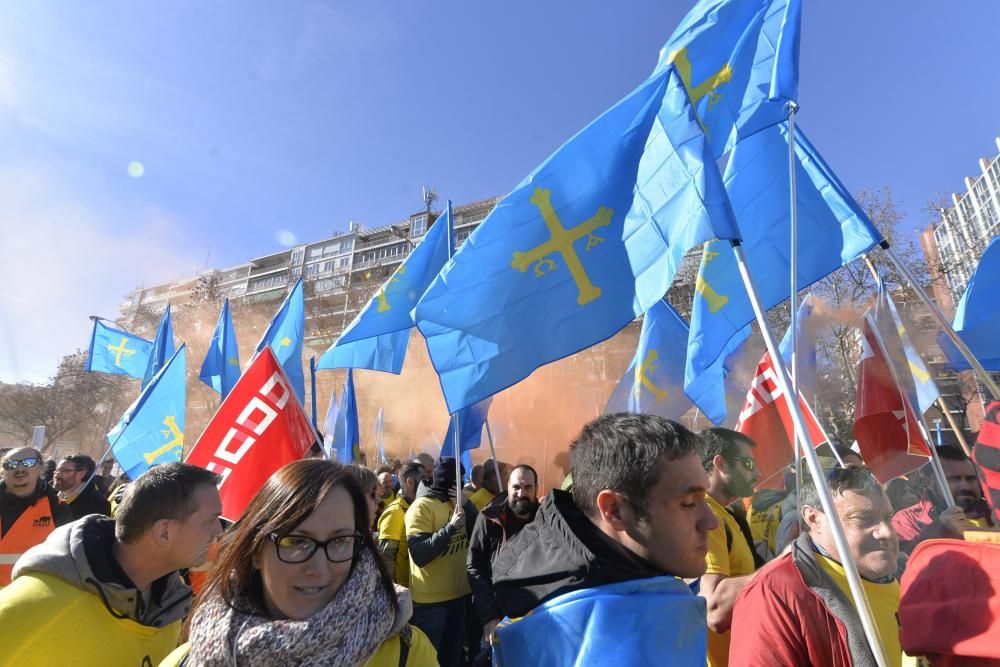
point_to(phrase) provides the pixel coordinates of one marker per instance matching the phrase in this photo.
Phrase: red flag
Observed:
(885, 424)
(768, 422)
(259, 427)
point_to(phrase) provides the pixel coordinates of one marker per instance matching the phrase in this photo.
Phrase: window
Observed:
(315, 253)
(275, 280)
(327, 267)
(344, 262)
(461, 235)
(297, 257)
(312, 270)
(418, 226)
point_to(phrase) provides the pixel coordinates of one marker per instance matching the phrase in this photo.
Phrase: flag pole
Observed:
(934, 462)
(984, 377)
(826, 499)
(793, 295)
(943, 407)
(312, 380)
(493, 453)
(458, 463)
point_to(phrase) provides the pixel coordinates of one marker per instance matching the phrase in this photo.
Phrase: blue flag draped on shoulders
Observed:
(740, 62)
(640, 622)
(117, 352)
(152, 429)
(587, 242)
(221, 368)
(833, 230)
(977, 319)
(378, 336)
(346, 436)
(163, 347)
(654, 382)
(470, 422)
(285, 335)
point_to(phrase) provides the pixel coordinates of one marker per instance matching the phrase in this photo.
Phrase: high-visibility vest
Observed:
(197, 576)
(31, 528)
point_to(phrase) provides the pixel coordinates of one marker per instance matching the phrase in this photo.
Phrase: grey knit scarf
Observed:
(346, 632)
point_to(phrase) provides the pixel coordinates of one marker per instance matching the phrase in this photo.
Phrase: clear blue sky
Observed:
(254, 117)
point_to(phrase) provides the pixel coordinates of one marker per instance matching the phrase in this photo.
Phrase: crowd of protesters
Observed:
(659, 552)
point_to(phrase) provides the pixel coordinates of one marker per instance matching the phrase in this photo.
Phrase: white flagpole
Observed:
(984, 377)
(458, 463)
(826, 499)
(493, 453)
(798, 438)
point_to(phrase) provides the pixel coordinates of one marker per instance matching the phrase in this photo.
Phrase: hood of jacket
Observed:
(81, 554)
(559, 552)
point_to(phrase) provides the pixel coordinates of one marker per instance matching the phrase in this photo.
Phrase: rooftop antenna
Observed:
(430, 196)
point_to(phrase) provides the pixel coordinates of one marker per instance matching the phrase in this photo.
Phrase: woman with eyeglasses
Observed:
(29, 507)
(298, 581)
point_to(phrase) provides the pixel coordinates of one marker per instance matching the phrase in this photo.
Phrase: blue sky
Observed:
(250, 118)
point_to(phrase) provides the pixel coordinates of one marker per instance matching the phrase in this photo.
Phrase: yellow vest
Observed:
(482, 498)
(46, 621)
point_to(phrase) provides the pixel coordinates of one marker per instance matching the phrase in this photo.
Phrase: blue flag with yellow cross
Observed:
(587, 242)
(152, 429)
(221, 368)
(740, 62)
(832, 231)
(346, 434)
(285, 335)
(117, 352)
(163, 347)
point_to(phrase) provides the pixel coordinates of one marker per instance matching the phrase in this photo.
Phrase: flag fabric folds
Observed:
(977, 318)
(285, 335)
(654, 382)
(330, 425)
(163, 347)
(117, 352)
(470, 423)
(914, 378)
(766, 419)
(377, 337)
(561, 631)
(740, 62)
(833, 230)
(221, 368)
(346, 436)
(258, 428)
(806, 344)
(885, 424)
(152, 429)
(587, 242)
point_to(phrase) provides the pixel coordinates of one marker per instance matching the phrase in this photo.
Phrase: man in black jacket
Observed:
(637, 510)
(497, 523)
(70, 476)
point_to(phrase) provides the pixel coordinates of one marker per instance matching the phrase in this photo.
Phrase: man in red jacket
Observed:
(798, 610)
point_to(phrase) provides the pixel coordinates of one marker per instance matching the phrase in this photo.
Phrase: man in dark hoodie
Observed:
(29, 507)
(111, 588)
(437, 536)
(637, 512)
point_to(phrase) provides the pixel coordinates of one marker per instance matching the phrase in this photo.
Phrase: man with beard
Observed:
(392, 524)
(798, 610)
(496, 524)
(732, 473)
(930, 518)
(70, 475)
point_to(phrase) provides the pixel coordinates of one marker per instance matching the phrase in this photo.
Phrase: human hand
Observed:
(489, 629)
(954, 520)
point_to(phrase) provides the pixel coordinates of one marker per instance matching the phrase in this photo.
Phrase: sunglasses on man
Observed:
(24, 463)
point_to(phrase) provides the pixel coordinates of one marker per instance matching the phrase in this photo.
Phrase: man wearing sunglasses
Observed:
(29, 508)
(732, 473)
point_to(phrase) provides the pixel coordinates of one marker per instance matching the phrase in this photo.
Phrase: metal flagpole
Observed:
(984, 377)
(458, 464)
(493, 452)
(826, 499)
(793, 264)
(312, 378)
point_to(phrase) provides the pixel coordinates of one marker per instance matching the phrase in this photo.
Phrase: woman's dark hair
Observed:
(287, 498)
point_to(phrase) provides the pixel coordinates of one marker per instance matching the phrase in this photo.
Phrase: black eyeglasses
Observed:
(299, 548)
(747, 462)
(24, 463)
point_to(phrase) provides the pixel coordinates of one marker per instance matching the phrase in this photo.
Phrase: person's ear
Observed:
(720, 463)
(614, 509)
(813, 519)
(162, 531)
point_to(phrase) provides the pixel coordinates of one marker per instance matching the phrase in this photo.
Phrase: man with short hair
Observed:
(437, 535)
(475, 480)
(70, 476)
(497, 524)
(29, 508)
(930, 517)
(111, 588)
(731, 560)
(392, 524)
(489, 487)
(798, 609)
(427, 462)
(635, 521)
(384, 475)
